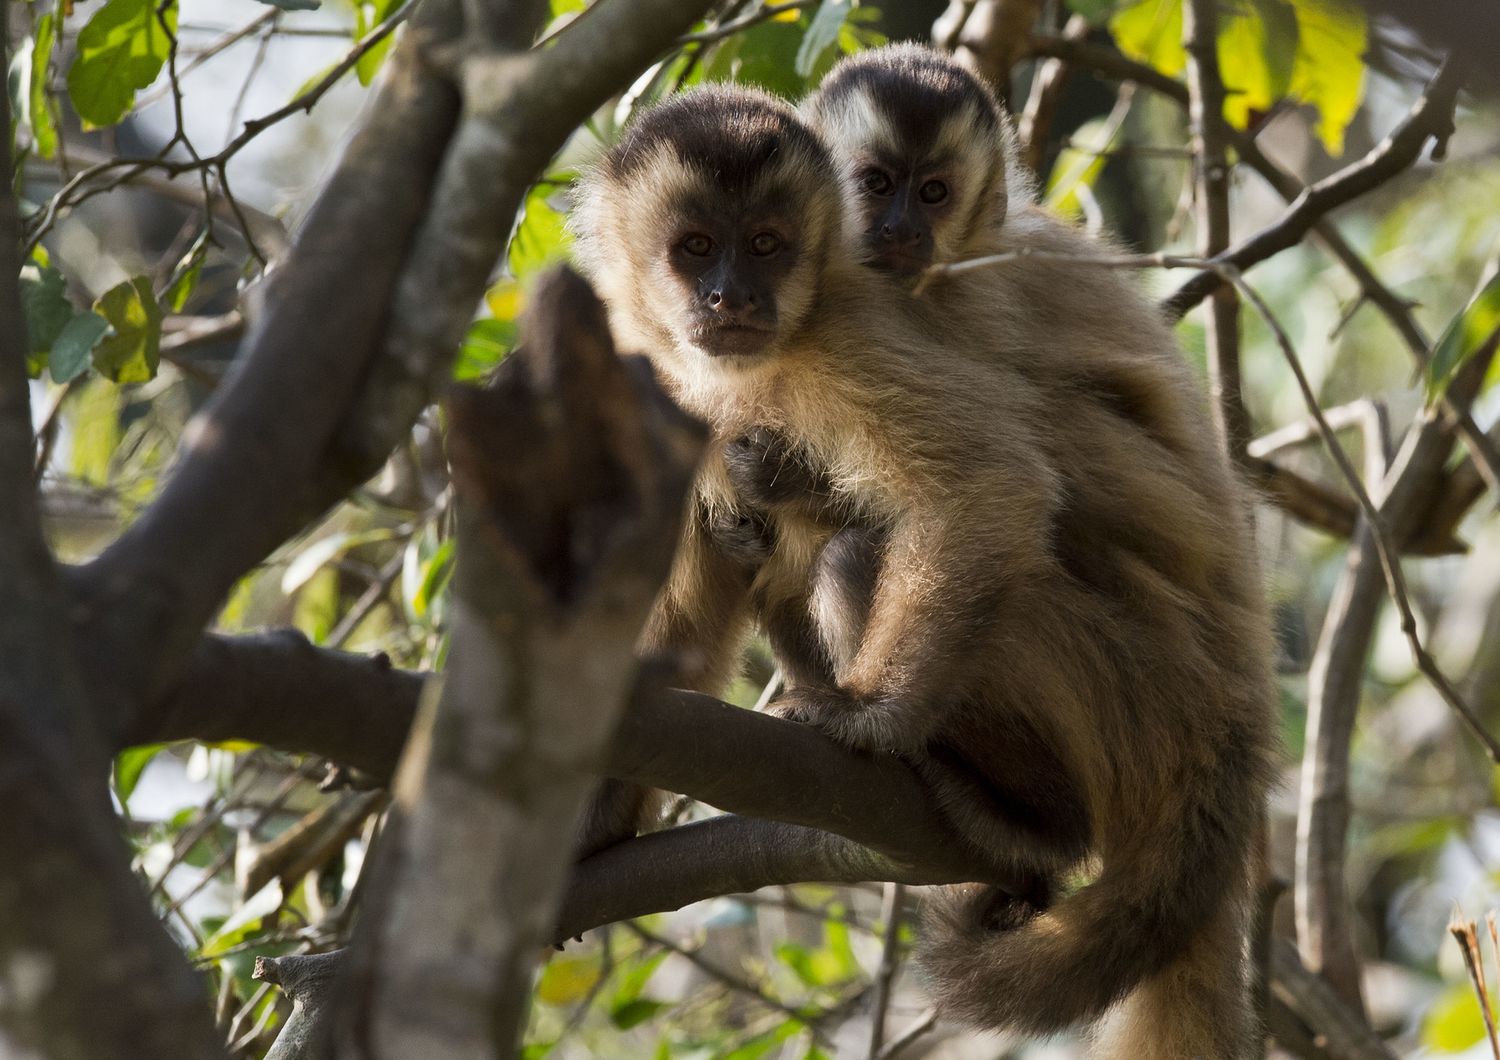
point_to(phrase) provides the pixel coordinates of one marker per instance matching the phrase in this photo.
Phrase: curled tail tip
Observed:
(997, 961)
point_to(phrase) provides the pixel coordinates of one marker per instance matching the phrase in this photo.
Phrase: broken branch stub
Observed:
(572, 451)
(570, 470)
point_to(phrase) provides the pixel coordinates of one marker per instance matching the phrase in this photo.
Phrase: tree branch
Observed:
(246, 478)
(1211, 179)
(1431, 118)
(571, 471)
(86, 968)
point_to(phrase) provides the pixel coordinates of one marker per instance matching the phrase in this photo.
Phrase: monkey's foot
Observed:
(854, 722)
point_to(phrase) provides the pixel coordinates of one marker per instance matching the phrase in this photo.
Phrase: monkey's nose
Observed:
(730, 302)
(902, 235)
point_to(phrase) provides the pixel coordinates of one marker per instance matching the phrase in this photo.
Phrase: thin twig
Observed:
(82, 187)
(733, 982)
(1431, 117)
(1467, 936)
(891, 912)
(923, 1024)
(754, 18)
(1211, 186)
(1111, 63)
(1395, 578)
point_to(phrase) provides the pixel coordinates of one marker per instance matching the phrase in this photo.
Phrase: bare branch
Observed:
(1047, 84)
(308, 979)
(88, 969)
(1341, 1032)
(1430, 118)
(891, 913)
(1211, 184)
(571, 471)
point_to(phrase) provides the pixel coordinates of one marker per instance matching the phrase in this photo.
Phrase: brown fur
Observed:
(1064, 631)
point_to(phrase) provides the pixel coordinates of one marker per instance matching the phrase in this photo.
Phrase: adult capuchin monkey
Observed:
(1060, 626)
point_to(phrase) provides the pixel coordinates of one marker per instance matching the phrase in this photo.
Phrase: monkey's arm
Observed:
(769, 473)
(947, 576)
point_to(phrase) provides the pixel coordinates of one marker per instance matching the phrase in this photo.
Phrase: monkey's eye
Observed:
(764, 243)
(697, 245)
(875, 182)
(933, 192)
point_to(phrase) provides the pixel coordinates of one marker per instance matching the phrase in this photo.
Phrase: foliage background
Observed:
(140, 276)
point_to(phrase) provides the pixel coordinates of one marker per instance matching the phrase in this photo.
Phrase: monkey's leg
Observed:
(942, 585)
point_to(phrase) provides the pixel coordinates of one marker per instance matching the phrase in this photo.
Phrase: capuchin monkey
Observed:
(1010, 552)
(927, 151)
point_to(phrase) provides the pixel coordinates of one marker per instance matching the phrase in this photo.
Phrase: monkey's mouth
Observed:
(899, 262)
(733, 340)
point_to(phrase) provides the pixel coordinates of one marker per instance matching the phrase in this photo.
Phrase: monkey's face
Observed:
(921, 143)
(727, 271)
(906, 207)
(708, 227)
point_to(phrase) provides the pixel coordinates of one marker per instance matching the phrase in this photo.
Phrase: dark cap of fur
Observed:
(911, 85)
(730, 135)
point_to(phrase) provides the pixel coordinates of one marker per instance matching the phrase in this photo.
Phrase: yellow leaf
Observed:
(1329, 71)
(1150, 31)
(504, 300)
(568, 979)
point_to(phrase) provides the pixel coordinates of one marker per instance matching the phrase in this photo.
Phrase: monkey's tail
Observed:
(1164, 915)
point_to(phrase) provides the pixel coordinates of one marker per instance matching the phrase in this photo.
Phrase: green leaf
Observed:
(1257, 45)
(367, 16)
(312, 558)
(245, 921)
(1454, 1023)
(133, 352)
(119, 51)
(634, 979)
(763, 1044)
(95, 419)
(1150, 31)
(542, 236)
(1329, 70)
(185, 276)
(764, 56)
(567, 7)
(43, 130)
(836, 937)
(634, 1013)
(44, 298)
(130, 764)
(821, 35)
(316, 608)
(435, 578)
(485, 346)
(1464, 334)
(70, 353)
(1081, 163)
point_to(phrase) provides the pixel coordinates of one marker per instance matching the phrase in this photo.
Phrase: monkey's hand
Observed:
(743, 537)
(768, 472)
(617, 811)
(862, 725)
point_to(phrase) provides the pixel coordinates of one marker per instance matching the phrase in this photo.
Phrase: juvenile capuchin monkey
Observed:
(1049, 606)
(927, 150)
